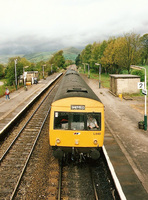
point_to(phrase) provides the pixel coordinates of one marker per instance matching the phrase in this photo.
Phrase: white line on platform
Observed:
(116, 181)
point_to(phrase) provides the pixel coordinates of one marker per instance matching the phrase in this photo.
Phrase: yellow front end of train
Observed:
(69, 125)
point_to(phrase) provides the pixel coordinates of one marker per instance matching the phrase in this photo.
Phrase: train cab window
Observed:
(77, 121)
(94, 121)
(60, 120)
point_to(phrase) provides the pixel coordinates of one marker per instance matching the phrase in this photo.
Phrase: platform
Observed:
(125, 143)
(10, 108)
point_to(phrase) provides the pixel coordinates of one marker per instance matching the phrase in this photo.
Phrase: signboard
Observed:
(144, 92)
(77, 107)
(141, 85)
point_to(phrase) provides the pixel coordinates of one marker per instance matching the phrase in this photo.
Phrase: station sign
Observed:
(141, 85)
(144, 91)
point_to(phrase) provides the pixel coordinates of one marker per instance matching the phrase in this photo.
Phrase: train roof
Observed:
(73, 85)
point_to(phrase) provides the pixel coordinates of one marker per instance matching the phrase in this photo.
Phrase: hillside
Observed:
(37, 57)
(69, 53)
(5, 58)
(72, 50)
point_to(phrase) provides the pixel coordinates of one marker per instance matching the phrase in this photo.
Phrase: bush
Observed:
(139, 73)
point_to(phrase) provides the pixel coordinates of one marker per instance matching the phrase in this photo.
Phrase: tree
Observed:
(97, 53)
(86, 54)
(120, 53)
(78, 60)
(144, 43)
(107, 60)
(58, 59)
(25, 62)
(103, 46)
(1, 70)
(117, 54)
(95, 56)
(10, 70)
(132, 50)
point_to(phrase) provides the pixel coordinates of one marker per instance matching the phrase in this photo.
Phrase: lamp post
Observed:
(88, 70)
(84, 67)
(24, 76)
(51, 68)
(145, 93)
(43, 70)
(15, 62)
(99, 74)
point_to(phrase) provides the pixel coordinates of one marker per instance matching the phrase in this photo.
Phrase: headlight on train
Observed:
(95, 142)
(76, 142)
(58, 141)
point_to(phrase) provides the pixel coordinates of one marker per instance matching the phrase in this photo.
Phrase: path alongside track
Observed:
(19, 99)
(122, 120)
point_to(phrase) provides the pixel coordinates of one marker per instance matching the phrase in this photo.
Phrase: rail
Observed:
(28, 137)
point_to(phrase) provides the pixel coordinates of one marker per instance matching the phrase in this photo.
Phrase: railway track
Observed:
(88, 180)
(83, 181)
(75, 182)
(15, 159)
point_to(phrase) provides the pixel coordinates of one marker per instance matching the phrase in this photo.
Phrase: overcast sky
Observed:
(38, 25)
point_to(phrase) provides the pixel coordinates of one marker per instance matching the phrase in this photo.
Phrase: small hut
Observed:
(124, 83)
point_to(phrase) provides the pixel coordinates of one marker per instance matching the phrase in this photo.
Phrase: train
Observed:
(76, 126)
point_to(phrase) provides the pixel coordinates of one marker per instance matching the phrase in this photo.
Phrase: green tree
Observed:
(58, 59)
(107, 60)
(103, 46)
(120, 51)
(78, 60)
(1, 70)
(144, 52)
(95, 56)
(116, 54)
(10, 70)
(132, 50)
(97, 53)
(139, 73)
(25, 62)
(86, 54)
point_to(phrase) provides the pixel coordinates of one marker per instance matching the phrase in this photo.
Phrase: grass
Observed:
(105, 79)
(146, 66)
(3, 87)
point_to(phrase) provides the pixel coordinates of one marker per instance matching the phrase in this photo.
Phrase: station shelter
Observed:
(30, 77)
(124, 83)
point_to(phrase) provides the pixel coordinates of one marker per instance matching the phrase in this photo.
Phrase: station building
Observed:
(124, 83)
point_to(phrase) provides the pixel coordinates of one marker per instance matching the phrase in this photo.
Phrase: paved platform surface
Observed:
(19, 99)
(126, 145)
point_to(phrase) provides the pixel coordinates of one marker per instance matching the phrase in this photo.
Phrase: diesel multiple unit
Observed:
(76, 119)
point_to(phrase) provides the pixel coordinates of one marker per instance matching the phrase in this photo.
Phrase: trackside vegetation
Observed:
(7, 73)
(116, 55)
